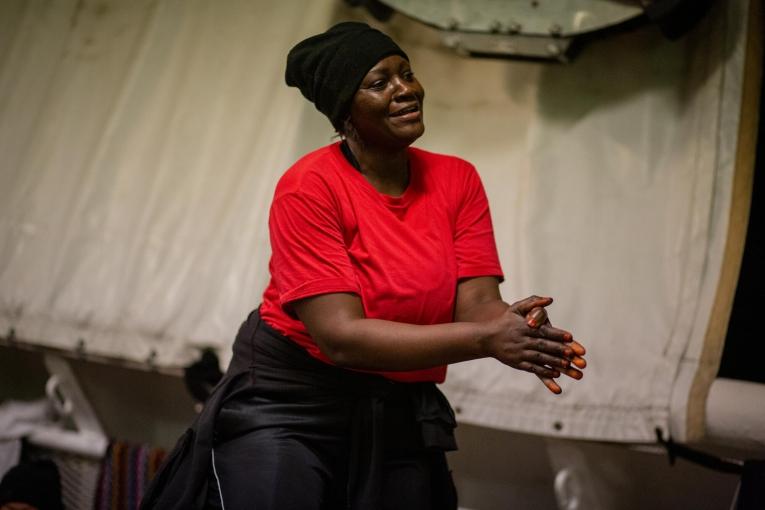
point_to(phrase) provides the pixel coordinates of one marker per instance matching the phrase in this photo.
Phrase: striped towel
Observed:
(126, 471)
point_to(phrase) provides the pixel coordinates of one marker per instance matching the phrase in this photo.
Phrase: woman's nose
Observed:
(404, 88)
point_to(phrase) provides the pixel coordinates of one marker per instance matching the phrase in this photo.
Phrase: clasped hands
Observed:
(526, 340)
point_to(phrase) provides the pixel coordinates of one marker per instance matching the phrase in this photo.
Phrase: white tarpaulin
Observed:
(141, 142)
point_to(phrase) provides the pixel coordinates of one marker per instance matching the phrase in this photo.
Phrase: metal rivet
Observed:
(496, 26)
(458, 410)
(459, 49)
(514, 27)
(505, 46)
(558, 425)
(453, 24)
(452, 41)
(556, 29)
(553, 49)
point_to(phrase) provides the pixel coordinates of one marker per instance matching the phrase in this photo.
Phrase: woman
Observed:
(383, 271)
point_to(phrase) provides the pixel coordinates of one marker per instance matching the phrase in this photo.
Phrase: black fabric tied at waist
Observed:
(267, 363)
(436, 421)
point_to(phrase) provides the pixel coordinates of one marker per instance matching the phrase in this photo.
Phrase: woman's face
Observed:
(387, 108)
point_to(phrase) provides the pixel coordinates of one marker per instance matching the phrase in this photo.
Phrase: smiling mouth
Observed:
(406, 111)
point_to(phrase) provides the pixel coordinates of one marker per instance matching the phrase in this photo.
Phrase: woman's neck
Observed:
(386, 170)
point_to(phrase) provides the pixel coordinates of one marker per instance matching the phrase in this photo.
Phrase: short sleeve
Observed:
(308, 253)
(474, 244)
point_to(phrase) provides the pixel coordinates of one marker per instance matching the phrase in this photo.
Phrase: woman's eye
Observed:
(409, 75)
(377, 84)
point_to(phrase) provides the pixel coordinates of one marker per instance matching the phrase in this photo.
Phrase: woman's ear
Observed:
(349, 130)
(341, 127)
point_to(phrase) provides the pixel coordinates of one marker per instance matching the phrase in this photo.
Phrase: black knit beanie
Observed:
(328, 67)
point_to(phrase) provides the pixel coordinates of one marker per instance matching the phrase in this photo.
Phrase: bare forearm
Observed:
(482, 311)
(386, 345)
(373, 344)
(359, 342)
(485, 326)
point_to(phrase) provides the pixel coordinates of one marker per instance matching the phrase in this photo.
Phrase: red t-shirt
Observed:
(331, 231)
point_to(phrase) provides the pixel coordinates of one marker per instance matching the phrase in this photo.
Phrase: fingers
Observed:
(541, 358)
(573, 349)
(551, 385)
(549, 350)
(578, 348)
(547, 374)
(546, 365)
(556, 348)
(556, 355)
(524, 306)
(573, 373)
(536, 317)
(538, 370)
(553, 333)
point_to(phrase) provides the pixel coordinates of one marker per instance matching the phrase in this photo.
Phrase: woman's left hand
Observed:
(533, 309)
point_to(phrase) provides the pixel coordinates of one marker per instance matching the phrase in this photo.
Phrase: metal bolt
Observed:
(496, 26)
(556, 30)
(514, 27)
(453, 24)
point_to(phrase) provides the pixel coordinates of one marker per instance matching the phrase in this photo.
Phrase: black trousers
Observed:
(284, 430)
(276, 468)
